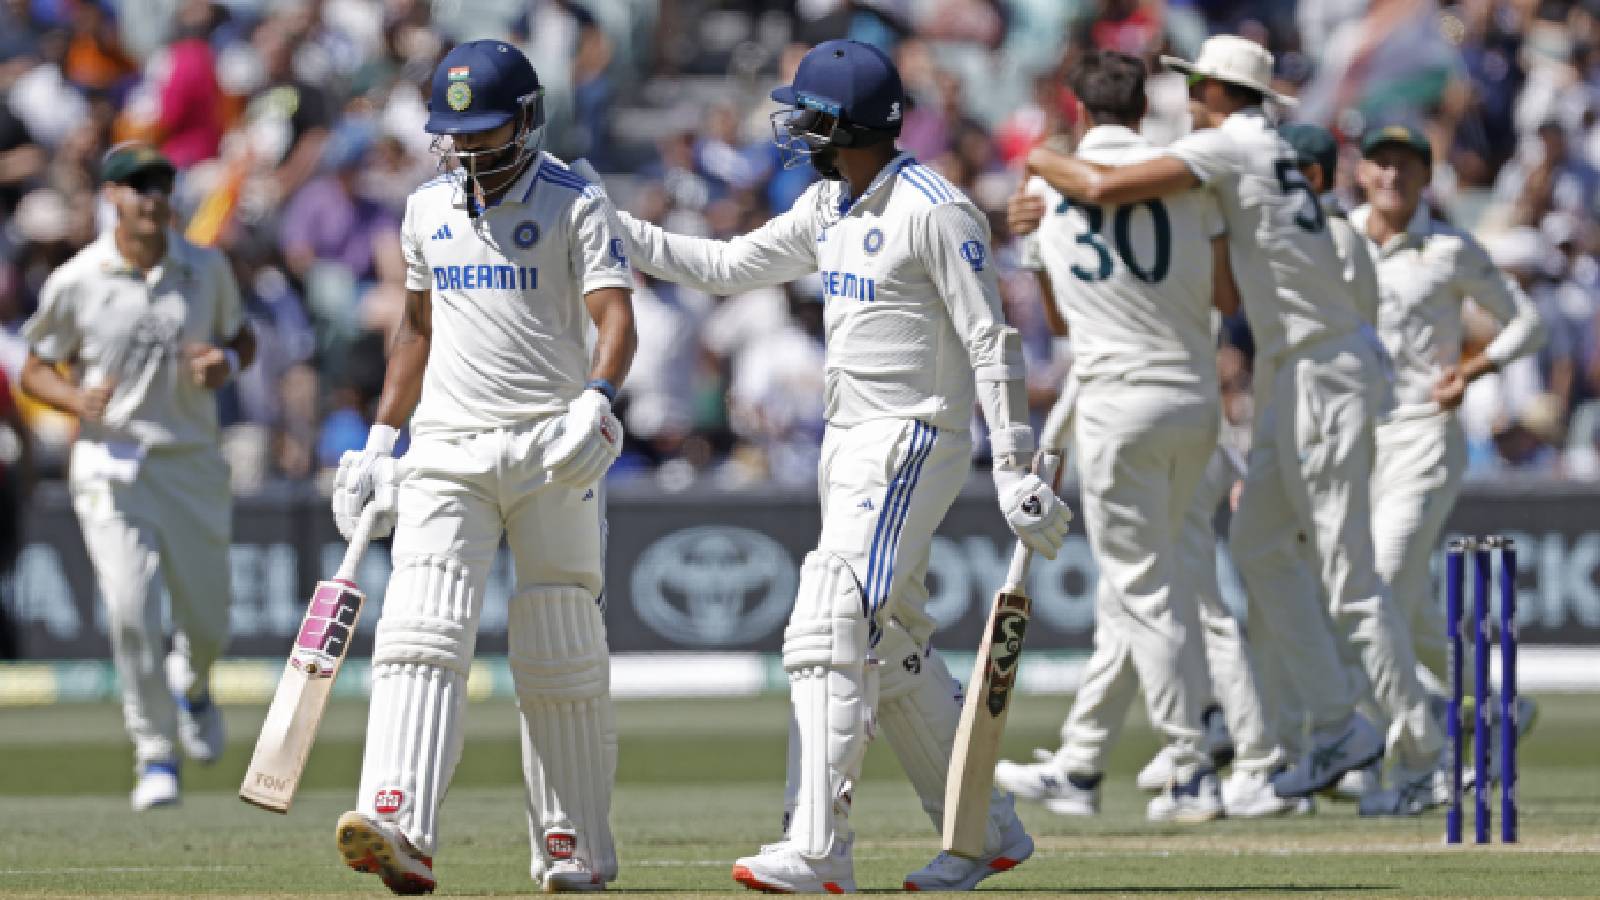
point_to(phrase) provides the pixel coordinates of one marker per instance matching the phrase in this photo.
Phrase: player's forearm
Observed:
(1112, 185)
(1523, 334)
(612, 311)
(1000, 373)
(44, 382)
(1224, 291)
(408, 361)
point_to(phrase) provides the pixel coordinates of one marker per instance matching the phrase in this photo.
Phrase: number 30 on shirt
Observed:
(1150, 271)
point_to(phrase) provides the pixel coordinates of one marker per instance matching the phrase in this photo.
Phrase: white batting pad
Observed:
(562, 672)
(825, 654)
(919, 709)
(419, 679)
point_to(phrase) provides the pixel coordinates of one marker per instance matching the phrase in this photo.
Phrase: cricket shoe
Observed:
(1331, 755)
(157, 786)
(1249, 795)
(1414, 794)
(948, 872)
(379, 848)
(566, 874)
(1043, 782)
(1197, 800)
(200, 728)
(1215, 742)
(781, 869)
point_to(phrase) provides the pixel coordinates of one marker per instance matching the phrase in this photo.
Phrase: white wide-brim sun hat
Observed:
(1236, 60)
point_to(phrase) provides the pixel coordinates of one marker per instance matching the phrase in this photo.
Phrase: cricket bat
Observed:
(983, 715)
(297, 707)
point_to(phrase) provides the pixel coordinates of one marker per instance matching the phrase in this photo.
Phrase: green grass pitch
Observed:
(700, 783)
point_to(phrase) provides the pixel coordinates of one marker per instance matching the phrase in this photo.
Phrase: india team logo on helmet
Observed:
(458, 96)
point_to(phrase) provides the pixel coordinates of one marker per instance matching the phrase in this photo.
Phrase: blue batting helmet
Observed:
(482, 85)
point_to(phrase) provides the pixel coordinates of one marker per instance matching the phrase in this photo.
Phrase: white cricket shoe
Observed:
(1197, 800)
(948, 872)
(566, 874)
(1215, 742)
(781, 869)
(200, 729)
(379, 848)
(1331, 755)
(1042, 781)
(157, 786)
(1249, 795)
(1414, 794)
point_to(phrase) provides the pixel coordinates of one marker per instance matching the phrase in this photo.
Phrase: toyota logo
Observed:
(714, 586)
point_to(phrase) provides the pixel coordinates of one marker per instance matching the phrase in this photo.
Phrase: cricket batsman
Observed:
(1321, 385)
(1427, 269)
(509, 257)
(915, 336)
(1137, 286)
(134, 335)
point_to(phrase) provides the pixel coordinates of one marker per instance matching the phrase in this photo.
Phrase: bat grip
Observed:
(358, 543)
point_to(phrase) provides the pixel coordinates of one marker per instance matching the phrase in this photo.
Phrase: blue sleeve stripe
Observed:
(917, 183)
(943, 188)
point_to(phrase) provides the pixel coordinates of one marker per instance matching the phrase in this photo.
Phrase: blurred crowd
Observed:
(297, 126)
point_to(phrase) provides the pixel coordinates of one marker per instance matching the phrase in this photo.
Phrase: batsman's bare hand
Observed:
(92, 402)
(208, 365)
(1450, 388)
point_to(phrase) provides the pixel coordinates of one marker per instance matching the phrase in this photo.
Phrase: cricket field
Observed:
(700, 783)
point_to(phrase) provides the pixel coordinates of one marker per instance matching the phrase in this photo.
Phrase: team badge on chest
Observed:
(873, 242)
(526, 234)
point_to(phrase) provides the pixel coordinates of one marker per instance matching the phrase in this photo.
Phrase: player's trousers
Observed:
(1303, 543)
(1142, 449)
(1421, 460)
(1236, 681)
(167, 520)
(884, 486)
(462, 494)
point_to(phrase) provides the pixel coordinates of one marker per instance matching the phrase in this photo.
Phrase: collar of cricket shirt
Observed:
(113, 263)
(1415, 235)
(1102, 137)
(889, 170)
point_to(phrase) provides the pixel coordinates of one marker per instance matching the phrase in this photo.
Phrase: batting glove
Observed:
(1035, 514)
(587, 442)
(367, 476)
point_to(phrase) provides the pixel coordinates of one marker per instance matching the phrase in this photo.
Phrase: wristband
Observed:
(606, 389)
(232, 356)
(382, 438)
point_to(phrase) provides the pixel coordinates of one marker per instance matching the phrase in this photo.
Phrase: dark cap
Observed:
(124, 161)
(850, 80)
(479, 86)
(1408, 136)
(1314, 144)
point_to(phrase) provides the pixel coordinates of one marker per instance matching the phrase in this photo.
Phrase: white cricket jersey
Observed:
(116, 324)
(912, 304)
(1133, 282)
(508, 287)
(1288, 271)
(1424, 275)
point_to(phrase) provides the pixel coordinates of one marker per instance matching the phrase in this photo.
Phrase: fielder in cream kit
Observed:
(913, 320)
(509, 256)
(1427, 269)
(1321, 385)
(1136, 287)
(147, 327)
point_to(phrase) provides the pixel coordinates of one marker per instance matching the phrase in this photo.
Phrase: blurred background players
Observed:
(132, 336)
(509, 257)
